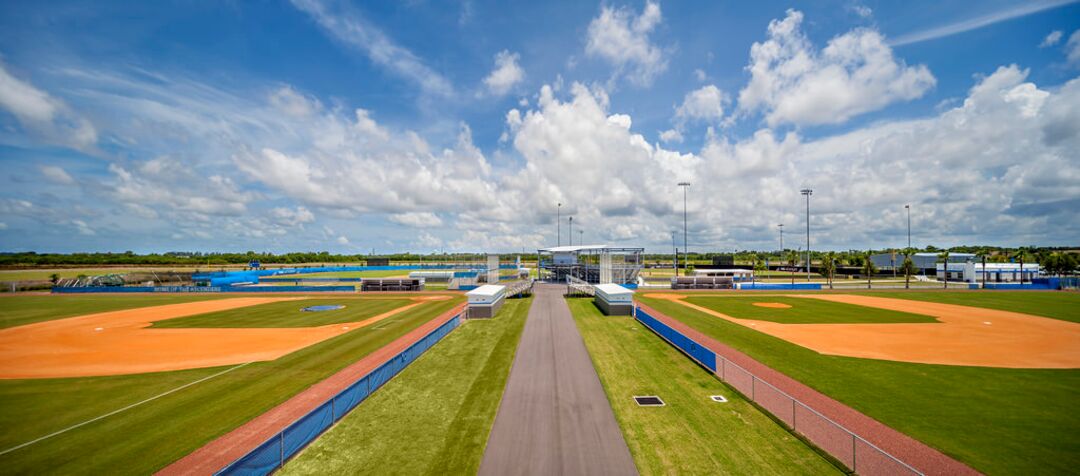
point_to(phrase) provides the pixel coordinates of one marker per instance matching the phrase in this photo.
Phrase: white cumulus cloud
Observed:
(506, 75)
(622, 38)
(1053, 38)
(793, 82)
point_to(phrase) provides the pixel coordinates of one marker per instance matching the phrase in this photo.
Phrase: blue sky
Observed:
(423, 126)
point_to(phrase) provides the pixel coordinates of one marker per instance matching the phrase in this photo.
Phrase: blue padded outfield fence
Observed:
(201, 289)
(848, 448)
(275, 451)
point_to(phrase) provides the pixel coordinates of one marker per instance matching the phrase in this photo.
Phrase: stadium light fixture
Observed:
(908, 208)
(808, 192)
(571, 232)
(685, 248)
(558, 224)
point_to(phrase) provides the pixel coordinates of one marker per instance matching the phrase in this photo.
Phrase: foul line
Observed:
(114, 412)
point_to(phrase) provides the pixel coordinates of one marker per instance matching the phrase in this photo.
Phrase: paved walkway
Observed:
(554, 417)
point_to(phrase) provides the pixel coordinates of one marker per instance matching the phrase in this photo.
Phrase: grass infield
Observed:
(691, 434)
(148, 437)
(21, 310)
(433, 418)
(802, 310)
(289, 314)
(1000, 421)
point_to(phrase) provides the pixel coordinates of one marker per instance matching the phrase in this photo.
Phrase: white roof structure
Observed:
(487, 293)
(614, 292)
(573, 249)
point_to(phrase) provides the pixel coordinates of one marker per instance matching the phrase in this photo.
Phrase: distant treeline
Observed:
(195, 259)
(212, 259)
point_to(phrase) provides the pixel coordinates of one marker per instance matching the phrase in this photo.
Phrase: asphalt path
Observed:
(554, 417)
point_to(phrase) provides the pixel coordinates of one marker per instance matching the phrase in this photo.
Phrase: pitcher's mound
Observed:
(774, 305)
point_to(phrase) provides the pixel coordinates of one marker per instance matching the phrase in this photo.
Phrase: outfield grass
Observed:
(1000, 421)
(691, 434)
(150, 436)
(1054, 304)
(20, 310)
(289, 314)
(802, 310)
(435, 417)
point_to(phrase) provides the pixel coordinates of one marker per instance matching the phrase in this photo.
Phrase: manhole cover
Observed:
(718, 398)
(331, 307)
(649, 401)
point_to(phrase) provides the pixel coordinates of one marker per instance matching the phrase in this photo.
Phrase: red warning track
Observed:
(227, 448)
(909, 450)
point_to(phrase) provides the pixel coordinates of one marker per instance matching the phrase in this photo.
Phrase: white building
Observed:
(995, 272)
(736, 274)
(485, 300)
(614, 299)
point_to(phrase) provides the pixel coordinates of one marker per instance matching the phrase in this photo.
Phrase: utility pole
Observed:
(571, 234)
(908, 208)
(807, 192)
(685, 248)
(558, 224)
(781, 226)
(675, 255)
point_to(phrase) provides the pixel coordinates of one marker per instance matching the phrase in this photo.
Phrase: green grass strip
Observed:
(150, 436)
(1000, 421)
(691, 434)
(433, 418)
(289, 314)
(803, 311)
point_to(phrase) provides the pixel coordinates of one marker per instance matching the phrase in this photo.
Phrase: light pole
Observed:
(581, 236)
(571, 237)
(807, 192)
(674, 254)
(685, 248)
(558, 224)
(908, 208)
(781, 227)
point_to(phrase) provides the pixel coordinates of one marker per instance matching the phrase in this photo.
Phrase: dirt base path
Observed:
(963, 336)
(554, 417)
(122, 342)
(234, 444)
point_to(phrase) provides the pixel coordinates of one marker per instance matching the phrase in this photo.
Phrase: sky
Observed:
(424, 126)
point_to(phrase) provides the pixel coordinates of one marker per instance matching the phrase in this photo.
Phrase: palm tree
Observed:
(908, 268)
(944, 255)
(792, 260)
(868, 268)
(1020, 254)
(829, 266)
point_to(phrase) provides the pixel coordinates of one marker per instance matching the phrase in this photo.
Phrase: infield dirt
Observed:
(121, 342)
(963, 336)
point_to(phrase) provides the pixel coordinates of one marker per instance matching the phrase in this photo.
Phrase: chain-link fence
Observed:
(850, 449)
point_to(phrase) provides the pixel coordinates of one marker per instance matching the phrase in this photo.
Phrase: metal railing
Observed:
(579, 287)
(847, 447)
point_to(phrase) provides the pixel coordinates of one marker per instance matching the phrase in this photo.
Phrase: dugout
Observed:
(485, 301)
(613, 299)
(392, 284)
(702, 282)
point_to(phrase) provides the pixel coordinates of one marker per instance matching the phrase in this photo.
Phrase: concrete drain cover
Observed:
(649, 401)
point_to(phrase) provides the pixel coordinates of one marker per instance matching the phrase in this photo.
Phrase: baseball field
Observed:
(691, 433)
(990, 379)
(91, 407)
